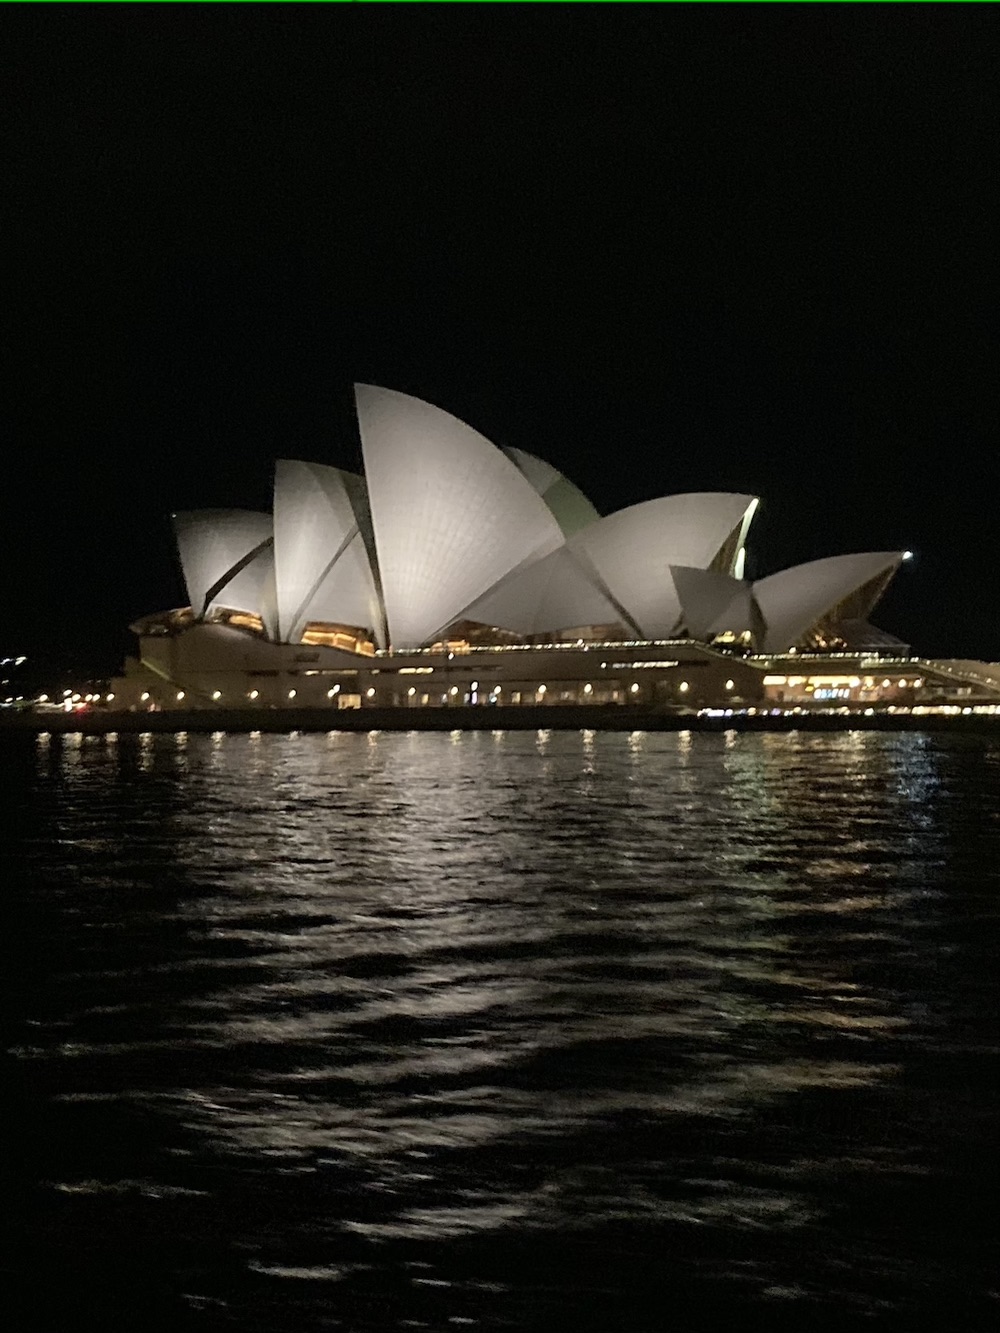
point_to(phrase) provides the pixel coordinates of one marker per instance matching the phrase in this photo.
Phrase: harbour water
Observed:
(552, 1030)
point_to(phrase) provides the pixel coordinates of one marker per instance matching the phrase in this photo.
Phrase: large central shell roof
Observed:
(451, 514)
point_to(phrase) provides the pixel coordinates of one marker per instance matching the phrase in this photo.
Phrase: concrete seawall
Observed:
(555, 717)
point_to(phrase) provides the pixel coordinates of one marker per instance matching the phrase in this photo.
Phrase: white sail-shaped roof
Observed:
(632, 551)
(550, 594)
(792, 601)
(322, 571)
(227, 560)
(570, 507)
(451, 514)
(713, 603)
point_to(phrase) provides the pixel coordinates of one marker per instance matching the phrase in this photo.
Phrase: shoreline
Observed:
(551, 717)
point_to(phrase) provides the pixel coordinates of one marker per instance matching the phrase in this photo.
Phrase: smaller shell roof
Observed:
(633, 549)
(713, 603)
(227, 560)
(794, 600)
(322, 568)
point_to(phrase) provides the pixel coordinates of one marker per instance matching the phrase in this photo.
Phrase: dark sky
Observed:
(666, 248)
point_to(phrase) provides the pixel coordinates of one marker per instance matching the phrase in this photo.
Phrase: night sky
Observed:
(666, 248)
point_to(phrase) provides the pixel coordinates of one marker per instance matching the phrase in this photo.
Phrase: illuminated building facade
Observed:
(456, 573)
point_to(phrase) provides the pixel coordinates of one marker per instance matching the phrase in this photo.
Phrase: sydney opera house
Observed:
(454, 573)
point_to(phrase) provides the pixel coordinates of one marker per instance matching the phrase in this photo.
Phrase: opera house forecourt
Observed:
(454, 575)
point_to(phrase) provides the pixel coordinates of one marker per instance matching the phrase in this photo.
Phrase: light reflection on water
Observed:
(649, 1016)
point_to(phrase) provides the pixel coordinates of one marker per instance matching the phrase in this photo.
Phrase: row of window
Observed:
(495, 693)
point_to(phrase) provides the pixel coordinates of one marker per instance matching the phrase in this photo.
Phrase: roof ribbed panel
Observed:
(451, 514)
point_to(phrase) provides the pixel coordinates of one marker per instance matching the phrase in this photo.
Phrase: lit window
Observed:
(683, 687)
(291, 694)
(254, 694)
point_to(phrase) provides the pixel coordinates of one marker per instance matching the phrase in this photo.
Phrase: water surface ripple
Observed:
(554, 1030)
